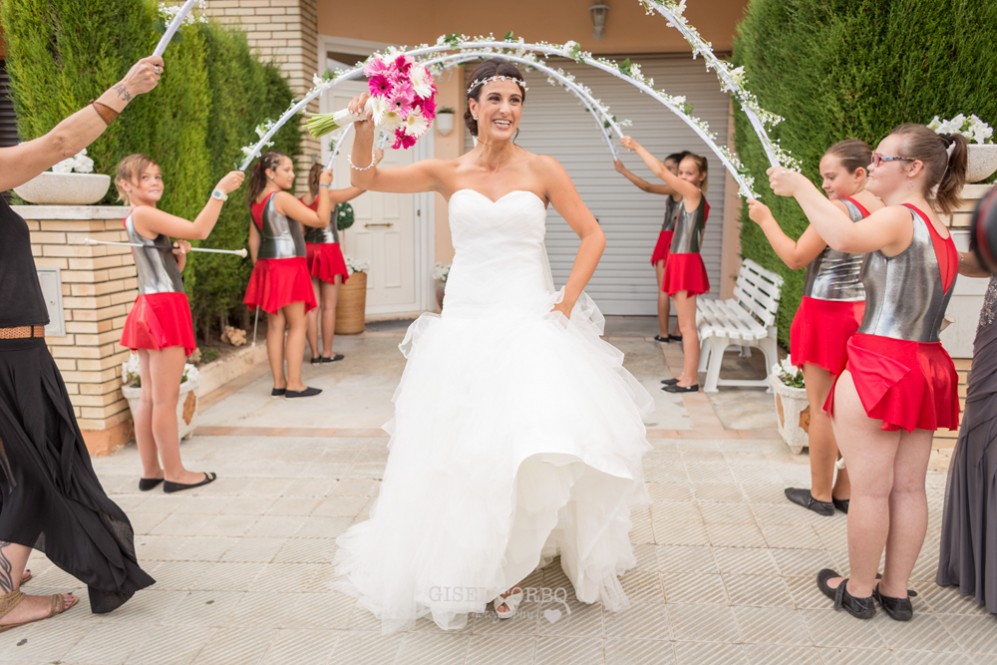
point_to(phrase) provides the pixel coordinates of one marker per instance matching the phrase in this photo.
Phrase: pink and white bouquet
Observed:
(402, 100)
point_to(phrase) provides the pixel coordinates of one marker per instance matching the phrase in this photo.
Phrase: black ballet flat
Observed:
(860, 608)
(675, 338)
(841, 504)
(335, 357)
(307, 392)
(669, 382)
(659, 338)
(899, 609)
(317, 361)
(146, 484)
(169, 488)
(676, 388)
(278, 392)
(802, 497)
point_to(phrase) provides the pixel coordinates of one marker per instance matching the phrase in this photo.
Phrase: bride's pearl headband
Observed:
(482, 82)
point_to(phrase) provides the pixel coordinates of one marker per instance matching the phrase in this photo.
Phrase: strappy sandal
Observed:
(511, 603)
(14, 598)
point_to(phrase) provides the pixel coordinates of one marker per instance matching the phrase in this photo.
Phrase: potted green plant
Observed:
(791, 406)
(131, 387)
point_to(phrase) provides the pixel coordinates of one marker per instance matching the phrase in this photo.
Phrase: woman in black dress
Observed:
(50, 498)
(968, 557)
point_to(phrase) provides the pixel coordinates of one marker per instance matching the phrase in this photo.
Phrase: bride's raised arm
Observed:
(422, 176)
(566, 200)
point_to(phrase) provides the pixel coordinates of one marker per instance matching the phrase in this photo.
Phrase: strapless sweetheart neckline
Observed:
(499, 199)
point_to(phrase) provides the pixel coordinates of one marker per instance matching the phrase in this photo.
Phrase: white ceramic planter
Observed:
(982, 162)
(64, 188)
(186, 406)
(793, 414)
(444, 123)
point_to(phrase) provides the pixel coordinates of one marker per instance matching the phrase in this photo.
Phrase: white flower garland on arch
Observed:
(441, 55)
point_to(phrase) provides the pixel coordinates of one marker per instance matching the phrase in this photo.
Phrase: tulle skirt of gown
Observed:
(517, 437)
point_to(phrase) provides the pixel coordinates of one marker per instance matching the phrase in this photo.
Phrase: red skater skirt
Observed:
(663, 247)
(820, 332)
(276, 283)
(325, 261)
(907, 385)
(685, 272)
(157, 321)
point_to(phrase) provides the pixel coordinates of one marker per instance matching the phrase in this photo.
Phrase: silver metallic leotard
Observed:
(155, 263)
(835, 275)
(281, 236)
(905, 298)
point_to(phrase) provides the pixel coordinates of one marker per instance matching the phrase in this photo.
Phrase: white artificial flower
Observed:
(422, 81)
(65, 166)
(416, 123)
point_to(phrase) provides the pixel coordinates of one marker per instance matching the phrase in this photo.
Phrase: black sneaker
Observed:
(307, 392)
(803, 498)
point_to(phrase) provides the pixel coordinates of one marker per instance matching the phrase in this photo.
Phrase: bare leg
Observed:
(165, 371)
(663, 302)
(275, 348)
(823, 449)
(294, 349)
(330, 295)
(871, 455)
(908, 511)
(313, 322)
(144, 438)
(685, 307)
(13, 558)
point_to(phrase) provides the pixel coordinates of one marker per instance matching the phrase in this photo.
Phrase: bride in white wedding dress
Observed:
(517, 433)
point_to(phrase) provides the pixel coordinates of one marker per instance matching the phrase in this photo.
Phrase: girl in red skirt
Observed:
(660, 254)
(326, 265)
(829, 314)
(280, 284)
(159, 325)
(684, 275)
(899, 384)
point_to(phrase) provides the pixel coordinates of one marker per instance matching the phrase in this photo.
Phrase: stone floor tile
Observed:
(695, 588)
(296, 646)
(757, 590)
(686, 559)
(500, 649)
(569, 651)
(845, 656)
(703, 623)
(709, 653)
(177, 645)
(644, 621)
(744, 560)
(830, 628)
(629, 651)
(772, 626)
(435, 648)
(780, 654)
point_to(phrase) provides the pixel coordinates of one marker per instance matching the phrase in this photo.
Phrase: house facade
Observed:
(402, 236)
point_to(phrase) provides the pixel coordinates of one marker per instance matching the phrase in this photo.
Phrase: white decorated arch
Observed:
(452, 50)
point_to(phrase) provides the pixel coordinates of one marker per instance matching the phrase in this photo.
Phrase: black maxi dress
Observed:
(50, 498)
(968, 556)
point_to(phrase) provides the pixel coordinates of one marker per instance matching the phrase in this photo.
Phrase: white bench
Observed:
(746, 320)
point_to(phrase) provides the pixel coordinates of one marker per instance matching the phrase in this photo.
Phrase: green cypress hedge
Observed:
(837, 69)
(214, 92)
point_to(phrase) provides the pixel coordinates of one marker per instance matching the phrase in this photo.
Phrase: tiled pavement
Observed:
(725, 565)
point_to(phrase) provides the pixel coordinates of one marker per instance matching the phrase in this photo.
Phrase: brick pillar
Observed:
(284, 32)
(98, 286)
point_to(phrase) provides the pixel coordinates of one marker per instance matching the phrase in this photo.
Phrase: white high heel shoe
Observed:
(511, 603)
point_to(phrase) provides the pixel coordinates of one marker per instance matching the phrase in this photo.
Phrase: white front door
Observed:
(392, 232)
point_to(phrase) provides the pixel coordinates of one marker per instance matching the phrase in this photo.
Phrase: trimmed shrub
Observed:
(214, 92)
(837, 69)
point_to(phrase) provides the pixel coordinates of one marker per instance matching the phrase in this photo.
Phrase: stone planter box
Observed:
(982, 162)
(793, 413)
(64, 188)
(186, 406)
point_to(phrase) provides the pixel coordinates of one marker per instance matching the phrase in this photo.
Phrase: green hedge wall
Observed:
(836, 69)
(214, 92)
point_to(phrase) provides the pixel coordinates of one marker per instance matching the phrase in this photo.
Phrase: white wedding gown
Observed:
(517, 436)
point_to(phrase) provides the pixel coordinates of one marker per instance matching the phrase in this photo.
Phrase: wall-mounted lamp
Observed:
(598, 10)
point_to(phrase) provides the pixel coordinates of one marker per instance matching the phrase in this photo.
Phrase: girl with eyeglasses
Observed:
(899, 384)
(829, 313)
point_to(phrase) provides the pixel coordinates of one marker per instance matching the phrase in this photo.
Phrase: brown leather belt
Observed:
(22, 332)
